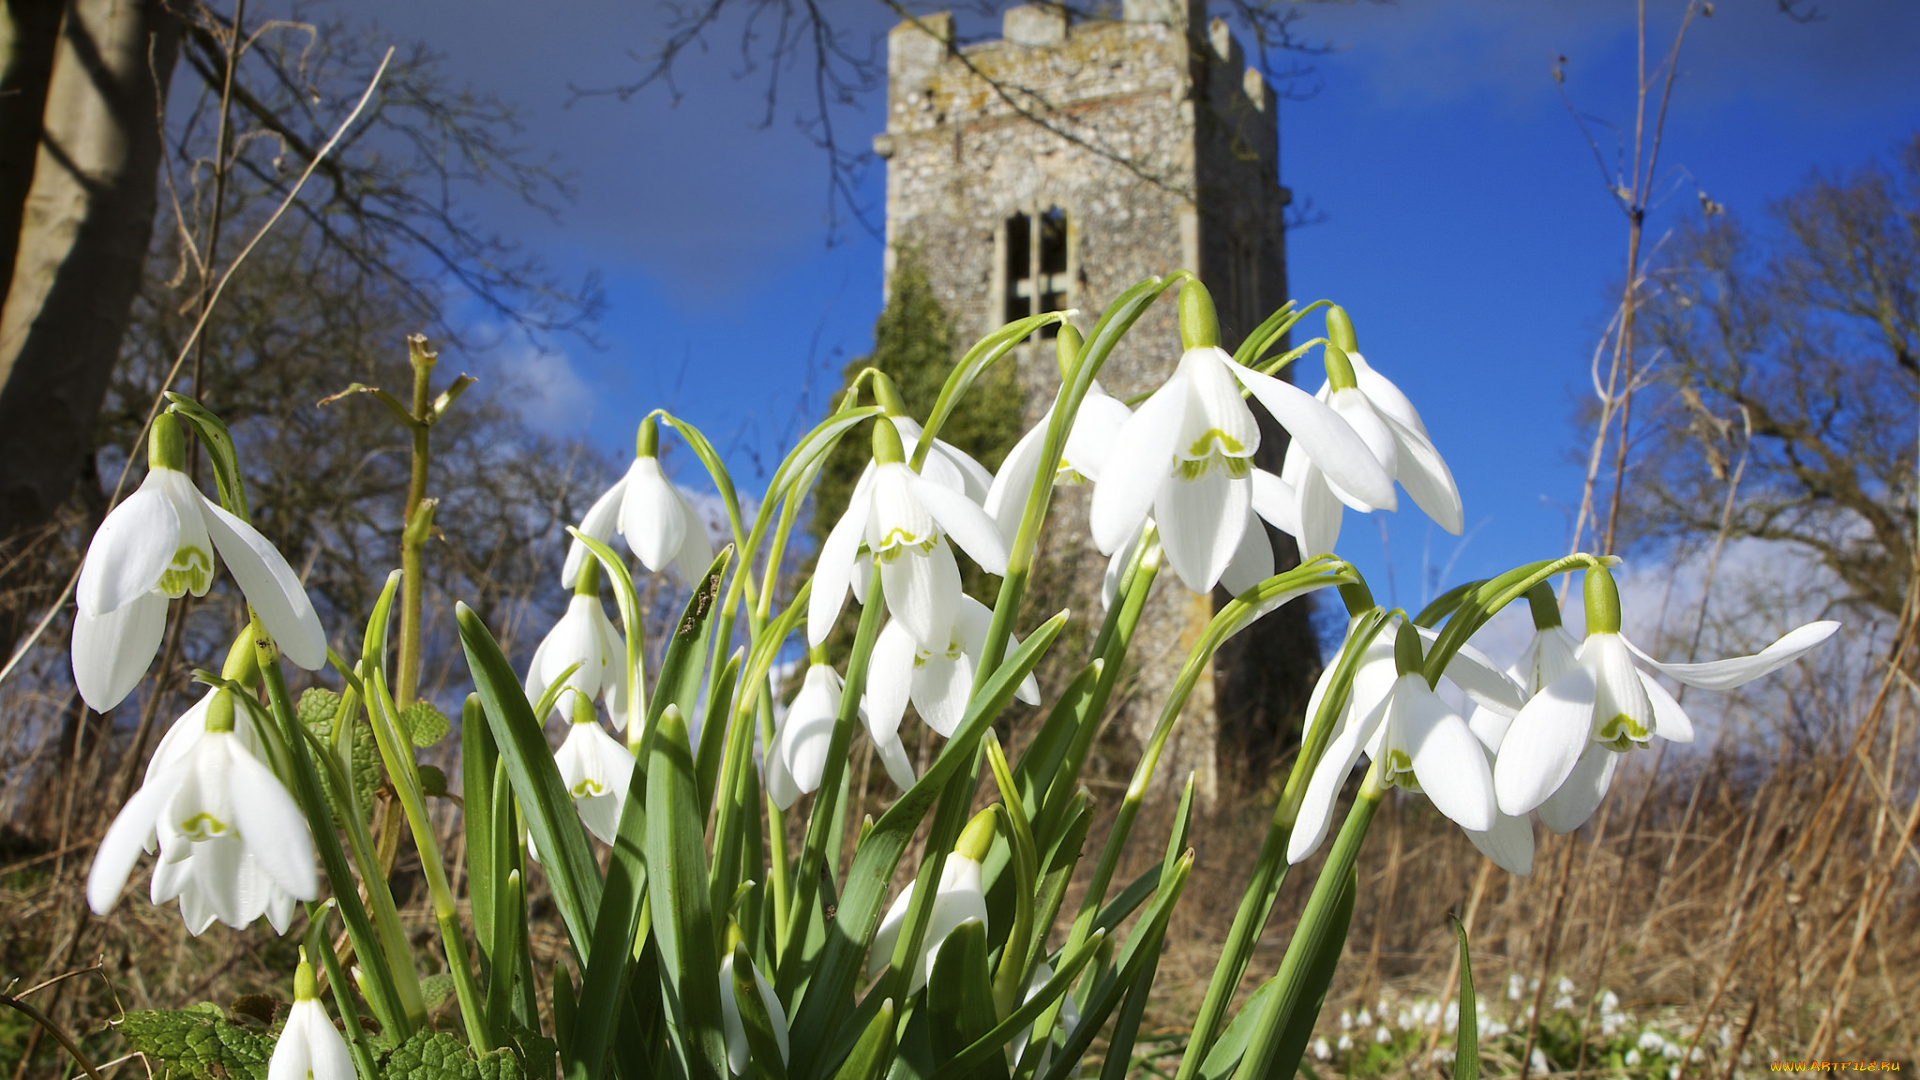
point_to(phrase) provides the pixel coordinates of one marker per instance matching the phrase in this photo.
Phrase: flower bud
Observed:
(1199, 325)
(977, 838)
(1066, 347)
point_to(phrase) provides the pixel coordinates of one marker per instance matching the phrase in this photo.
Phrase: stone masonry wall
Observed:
(1160, 145)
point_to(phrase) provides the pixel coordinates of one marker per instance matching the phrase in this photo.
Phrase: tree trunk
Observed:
(83, 225)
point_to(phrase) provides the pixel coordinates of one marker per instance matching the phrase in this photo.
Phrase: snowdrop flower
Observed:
(1568, 738)
(584, 636)
(1382, 1036)
(160, 544)
(1321, 1051)
(1391, 712)
(1089, 441)
(799, 752)
(660, 525)
(195, 875)
(736, 1029)
(1186, 455)
(597, 770)
(227, 831)
(1346, 1020)
(1391, 427)
(309, 1046)
(1364, 1019)
(1632, 1059)
(1069, 1019)
(937, 681)
(959, 899)
(905, 519)
(1345, 1043)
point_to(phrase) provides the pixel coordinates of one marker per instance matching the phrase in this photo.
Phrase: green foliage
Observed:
(317, 709)
(913, 344)
(199, 1042)
(424, 723)
(431, 1055)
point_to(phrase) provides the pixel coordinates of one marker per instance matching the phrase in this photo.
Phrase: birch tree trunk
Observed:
(78, 182)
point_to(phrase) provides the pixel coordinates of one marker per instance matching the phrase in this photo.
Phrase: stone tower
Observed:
(1052, 169)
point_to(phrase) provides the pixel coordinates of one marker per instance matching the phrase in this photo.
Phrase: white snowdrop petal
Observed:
(1424, 473)
(833, 571)
(1545, 742)
(1252, 560)
(1141, 458)
(600, 520)
(1448, 760)
(1740, 670)
(1007, 496)
(1574, 802)
(1322, 435)
(922, 592)
(1319, 514)
(272, 829)
(940, 685)
(270, 586)
(120, 848)
(111, 652)
(1275, 500)
(651, 515)
(130, 550)
(1201, 522)
(965, 524)
(889, 681)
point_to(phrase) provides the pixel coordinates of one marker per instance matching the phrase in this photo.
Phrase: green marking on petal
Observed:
(1622, 733)
(190, 571)
(898, 542)
(587, 789)
(204, 826)
(1399, 771)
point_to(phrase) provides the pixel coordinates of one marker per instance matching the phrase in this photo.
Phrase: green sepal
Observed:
(218, 442)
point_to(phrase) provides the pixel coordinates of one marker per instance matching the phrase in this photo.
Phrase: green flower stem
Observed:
(383, 995)
(632, 627)
(1111, 645)
(826, 807)
(418, 514)
(397, 753)
(1316, 923)
(1273, 329)
(342, 987)
(1482, 603)
(1113, 325)
(1270, 868)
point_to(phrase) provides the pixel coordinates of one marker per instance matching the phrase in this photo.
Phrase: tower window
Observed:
(1036, 265)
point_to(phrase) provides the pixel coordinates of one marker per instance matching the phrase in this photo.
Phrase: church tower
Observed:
(1053, 168)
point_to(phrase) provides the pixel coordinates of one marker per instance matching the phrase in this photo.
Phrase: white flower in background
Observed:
(738, 1049)
(1186, 457)
(229, 834)
(1069, 1019)
(309, 1047)
(937, 681)
(958, 899)
(1089, 441)
(799, 752)
(1422, 744)
(1321, 1051)
(597, 769)
(1391, 428)
(583, 636)
(662, 528)
(1609, 701)
(185, 871)
(159, 544)
(905, 520)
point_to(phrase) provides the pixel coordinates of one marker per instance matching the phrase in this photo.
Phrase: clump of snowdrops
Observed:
(705, 947)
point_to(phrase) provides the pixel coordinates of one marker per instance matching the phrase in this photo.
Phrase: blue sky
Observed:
(1468, 228)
